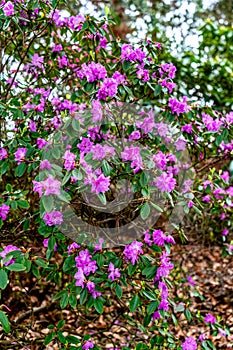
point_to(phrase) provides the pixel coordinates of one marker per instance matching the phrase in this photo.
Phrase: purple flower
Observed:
(187, 128)
(101, 184)
(135, 135)
(72, 247)
(83, 261)
(3, 153)
(41, 143)
(178, 107)
(99, 245)
(143, 74)
(225, 232)
(37, 60)
(164, 305)
(8, 9)
(51, 186)
(209, 318)
(132, 251)
(159, 238)
(93, 71)
(4, 210)
(156, 315)
(168, 68)
(114, 272)
(189, 344)
(210, 123)
(201, 337)
(108, 89)
(32, 126)
(88, 345)
(128, 54)
(85, 145)
(6, 250)
(165, 182)
(100, 152)
(45, 164)
(132, 153)
(69, 160)
(225, 176)
(164, 268)
(96, 111)
(147, 124)
(190, 281)
(147, 239)
(163, 288)
(53, 218)
(20, 155)
(79, 276)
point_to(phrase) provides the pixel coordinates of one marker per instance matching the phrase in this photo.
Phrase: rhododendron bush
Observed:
(99, 164)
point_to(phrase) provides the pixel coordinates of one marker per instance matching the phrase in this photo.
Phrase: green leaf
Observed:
(152, 307)
(157, 90)
(72, 301)
(4, 322)
(64, 301)
(131, 269)
(156, 207)
(61, 338)
(149, 272)
(119, 291)
(135, 301)
(145, 211)
(51, 243)
(3, 279)
(98, 305)
(49, 337)
(16, 267)
(77, 174)
(126, 65)
(68, 263)
(23, 204)
(141, 346)
(61, 324)
(188, 315)
(149, 295)
(48, 203)
(20, 169)
(83, 296)
(75, 124)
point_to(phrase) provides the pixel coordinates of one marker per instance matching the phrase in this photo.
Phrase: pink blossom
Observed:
(53, 218)
(20, 155)
(179, 107)
(3, 153)
(8, 9)
(114, 272)
(189, 344)
(132, 251)
(51, 186)
(4, 210)
(209, 318)
(165, 182)
(101, 184)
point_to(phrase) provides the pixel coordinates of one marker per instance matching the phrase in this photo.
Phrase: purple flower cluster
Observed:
(132, 154)
(3, 153)
(107, 89)
(129, 54)
(4, 210)
(114, 272)
(132, 251)
(69, 160)
(210, 123)
(165, 182)
(164, 268)
(53, 218)
(179, 107)
(189, 344)
(20, 154)
(100, 184)
(86, 266)
(92, 72)
(49, 186)
(210, 319)
(8, 9)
